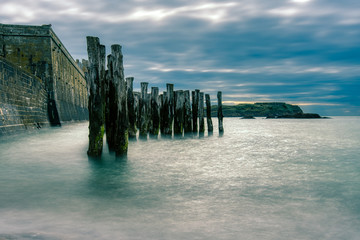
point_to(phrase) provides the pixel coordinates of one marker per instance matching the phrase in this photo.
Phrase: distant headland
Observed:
(268, 110)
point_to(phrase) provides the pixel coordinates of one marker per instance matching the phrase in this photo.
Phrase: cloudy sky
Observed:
(304, 52)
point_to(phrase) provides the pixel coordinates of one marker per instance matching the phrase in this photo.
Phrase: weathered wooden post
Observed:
(208, 113)
(155, 112)
(119, 111)
(103, 74)
(131, 107)
(108, 86)
(178, 112)
(143, 131)
(162, 98)
(148, 111)
(137, 97)
(111, 105)
(187, 112)
(195, 108)
(170, 92)
(219, 113)
(201, 114)
(96, 100)
(169, 109)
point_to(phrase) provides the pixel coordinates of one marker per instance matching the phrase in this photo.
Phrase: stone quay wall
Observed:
(39, 52)
(23, 99)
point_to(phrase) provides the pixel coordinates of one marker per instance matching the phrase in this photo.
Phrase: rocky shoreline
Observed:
(298, 115)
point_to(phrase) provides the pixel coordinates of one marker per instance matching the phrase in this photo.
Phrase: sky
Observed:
(304, 52)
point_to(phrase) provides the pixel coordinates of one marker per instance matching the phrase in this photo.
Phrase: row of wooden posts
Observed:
(118, 111)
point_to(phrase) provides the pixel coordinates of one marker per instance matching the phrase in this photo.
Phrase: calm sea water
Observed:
(263, 179)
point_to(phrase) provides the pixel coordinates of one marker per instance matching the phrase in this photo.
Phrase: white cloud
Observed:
(212, 12)
(17, 12)
(287, 12)
(249, 95)
(300, 1)
(280, 68)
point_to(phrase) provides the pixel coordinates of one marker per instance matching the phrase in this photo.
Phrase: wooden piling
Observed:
(95, 79)
(108, 122)
(208, 113)
(131, 107)
(162, 100)
(111, 105)
(178, 112)
(219, 113)
(168, 116)
(143, 131)
(137, 97)
(195, 108)
(118, 110)
(103, 75)
(201, 113)
(187, 112)
(148, 111)
(155, 112)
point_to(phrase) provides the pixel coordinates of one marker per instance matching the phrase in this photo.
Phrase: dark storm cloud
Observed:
(298, 51)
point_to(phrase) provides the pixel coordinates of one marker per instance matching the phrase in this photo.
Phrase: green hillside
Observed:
(272, 109)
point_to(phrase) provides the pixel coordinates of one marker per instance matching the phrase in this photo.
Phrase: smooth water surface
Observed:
(263, 179)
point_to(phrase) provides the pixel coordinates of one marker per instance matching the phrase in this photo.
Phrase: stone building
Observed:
(39, 52)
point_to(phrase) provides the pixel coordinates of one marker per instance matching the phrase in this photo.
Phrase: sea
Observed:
(261, 179)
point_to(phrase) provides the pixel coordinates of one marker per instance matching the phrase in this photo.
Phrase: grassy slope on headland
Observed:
(271, 110)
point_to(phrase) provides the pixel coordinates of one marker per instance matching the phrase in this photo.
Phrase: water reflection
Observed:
(193, 135)
(166, 136)
(143, 137)
(109, 177)
(178, 136)
(153, 136)
(132, 138)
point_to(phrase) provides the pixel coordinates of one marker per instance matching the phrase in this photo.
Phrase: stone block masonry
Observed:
(36, 50)
(23, 100)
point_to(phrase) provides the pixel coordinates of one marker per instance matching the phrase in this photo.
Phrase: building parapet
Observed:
(37, 31)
